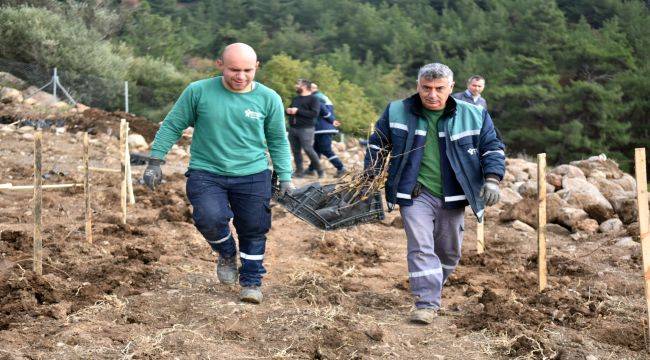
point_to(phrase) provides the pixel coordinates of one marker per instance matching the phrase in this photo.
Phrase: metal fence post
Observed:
(126, 97)
(55, 81)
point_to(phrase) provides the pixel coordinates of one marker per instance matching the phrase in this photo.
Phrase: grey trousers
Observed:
(434, 236)
(303, 139)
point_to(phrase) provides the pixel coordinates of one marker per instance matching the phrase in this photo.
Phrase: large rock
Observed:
(599, 163)
(568, 171)
(625, 206)
(42, 98)
(137, 142)
(611, 225)
(524, 210)
(608, 188)
(584, 195)
(521, 169)
(554, 203)
(528, 189)
(508, 178)
(626, 242)
(522, 226)
(557, 229)
(571, 217)
(10, 95)
(627, 182)
(633, 229)
(509, 196)
(554, 179)
(7, 79)
(590, 226)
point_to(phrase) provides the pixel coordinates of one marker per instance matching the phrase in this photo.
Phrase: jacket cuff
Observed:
(493, 176)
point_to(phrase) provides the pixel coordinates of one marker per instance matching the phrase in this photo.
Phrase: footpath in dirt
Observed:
(147, 290)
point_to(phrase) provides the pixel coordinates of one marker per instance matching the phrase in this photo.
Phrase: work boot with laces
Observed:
(423, 316)
(251, 294)
(340, 172)
(227, 270)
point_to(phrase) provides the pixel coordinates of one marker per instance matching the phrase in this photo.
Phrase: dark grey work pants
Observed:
(303, 139)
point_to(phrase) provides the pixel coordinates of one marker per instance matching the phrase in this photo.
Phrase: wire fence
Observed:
(93, 91)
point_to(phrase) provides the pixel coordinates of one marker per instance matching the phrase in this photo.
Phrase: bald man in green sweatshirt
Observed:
(235, 121)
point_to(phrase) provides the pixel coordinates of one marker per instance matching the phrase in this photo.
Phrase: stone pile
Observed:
(587, 196)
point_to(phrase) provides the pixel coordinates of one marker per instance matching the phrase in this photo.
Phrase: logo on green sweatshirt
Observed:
(253, 114)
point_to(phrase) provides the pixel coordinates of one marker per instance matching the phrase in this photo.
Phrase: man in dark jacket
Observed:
(326, 127)
(475, 86)
(303, 113)
(445, 155)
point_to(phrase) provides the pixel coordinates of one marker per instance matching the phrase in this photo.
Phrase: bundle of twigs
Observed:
(359, 184)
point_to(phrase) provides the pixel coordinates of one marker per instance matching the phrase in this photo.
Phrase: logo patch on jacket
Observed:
(472, 151)
(253, 114)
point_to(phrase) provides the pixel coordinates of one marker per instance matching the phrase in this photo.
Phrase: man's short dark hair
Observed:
(475, 77)
(304, 82)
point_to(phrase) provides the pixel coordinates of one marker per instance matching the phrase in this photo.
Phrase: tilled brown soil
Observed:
(147, 290)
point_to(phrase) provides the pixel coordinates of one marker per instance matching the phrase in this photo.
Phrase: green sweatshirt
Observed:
(231, 130)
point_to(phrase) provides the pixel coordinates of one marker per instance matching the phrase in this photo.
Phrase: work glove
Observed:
(286, 186)
(490, 191)
(152, 176)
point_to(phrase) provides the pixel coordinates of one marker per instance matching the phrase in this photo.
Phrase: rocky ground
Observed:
(148, 291)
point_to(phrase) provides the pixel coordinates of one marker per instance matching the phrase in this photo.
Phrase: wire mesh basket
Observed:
(325, 209)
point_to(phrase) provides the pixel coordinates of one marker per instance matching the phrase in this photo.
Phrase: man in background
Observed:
(472, 95)
(303, 113)
(326, 127)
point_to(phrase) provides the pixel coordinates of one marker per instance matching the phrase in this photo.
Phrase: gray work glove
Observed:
(286, 186)
(152, 176)
(490, 191)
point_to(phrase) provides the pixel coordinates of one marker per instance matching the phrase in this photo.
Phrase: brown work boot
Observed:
(423, 316)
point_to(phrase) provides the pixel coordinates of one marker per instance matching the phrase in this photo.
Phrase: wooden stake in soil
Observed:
(123, 168)
(644, 232)
(38, 203)
(88, 212)
(129, 179)
(480, 236)
(541, 220)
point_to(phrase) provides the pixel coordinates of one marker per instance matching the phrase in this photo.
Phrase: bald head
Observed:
(238, 51)
(238, 64)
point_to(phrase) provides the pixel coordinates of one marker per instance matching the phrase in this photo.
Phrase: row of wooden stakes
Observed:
(126, 184)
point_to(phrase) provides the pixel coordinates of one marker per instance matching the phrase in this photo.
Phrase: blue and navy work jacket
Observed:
(466, 136)
(326, 117)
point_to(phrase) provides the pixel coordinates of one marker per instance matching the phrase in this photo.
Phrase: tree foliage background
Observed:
(564, 77)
